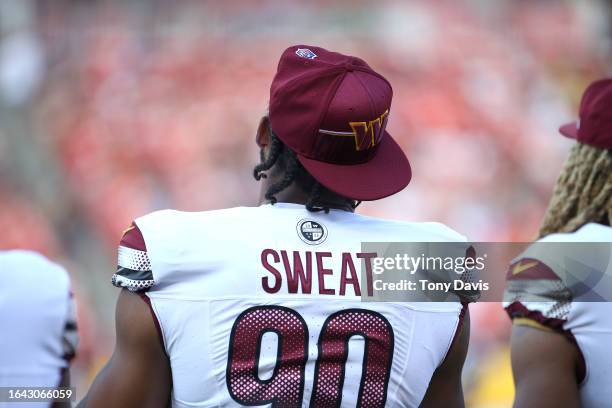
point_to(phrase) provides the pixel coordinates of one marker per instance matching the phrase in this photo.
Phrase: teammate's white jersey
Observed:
(561, 292)
(261, 305)
(37, 321)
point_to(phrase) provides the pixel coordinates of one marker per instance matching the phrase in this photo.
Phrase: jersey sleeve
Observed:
(133, 263)
(536, 296)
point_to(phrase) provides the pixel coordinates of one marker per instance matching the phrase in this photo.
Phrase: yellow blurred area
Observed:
(493, 386)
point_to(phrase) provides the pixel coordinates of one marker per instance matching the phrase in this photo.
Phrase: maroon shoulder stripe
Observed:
(132, 238)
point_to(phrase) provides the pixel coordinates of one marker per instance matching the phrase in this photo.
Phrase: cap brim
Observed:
(570, 130)
(385, 174)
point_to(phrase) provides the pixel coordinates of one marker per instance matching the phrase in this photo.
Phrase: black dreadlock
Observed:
(294, 172)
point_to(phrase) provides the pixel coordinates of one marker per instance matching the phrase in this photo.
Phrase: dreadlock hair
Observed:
(583, 192)
(294, 172)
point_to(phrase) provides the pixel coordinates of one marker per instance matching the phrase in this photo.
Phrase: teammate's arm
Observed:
(445, 388)
(544, 366)
(138, 373)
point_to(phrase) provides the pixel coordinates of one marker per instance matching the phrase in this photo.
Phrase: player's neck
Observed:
(295, 195)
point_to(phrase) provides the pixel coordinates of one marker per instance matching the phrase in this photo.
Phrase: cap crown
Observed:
(328, 106)
(595, 126)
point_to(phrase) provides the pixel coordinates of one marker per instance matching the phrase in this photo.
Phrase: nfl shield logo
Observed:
(305, 53)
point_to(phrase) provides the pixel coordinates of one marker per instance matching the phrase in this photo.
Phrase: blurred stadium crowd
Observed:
(110, 110)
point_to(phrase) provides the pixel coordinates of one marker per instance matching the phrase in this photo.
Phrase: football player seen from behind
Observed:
(38, 321)
(562, 317)
(260, 306)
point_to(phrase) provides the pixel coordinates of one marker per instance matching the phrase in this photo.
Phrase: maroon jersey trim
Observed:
(530, 268)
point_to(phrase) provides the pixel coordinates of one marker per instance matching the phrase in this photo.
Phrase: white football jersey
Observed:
(571, 295)
(262, 306)
(37, 320)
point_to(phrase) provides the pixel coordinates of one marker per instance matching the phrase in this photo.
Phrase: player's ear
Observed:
(263, 132)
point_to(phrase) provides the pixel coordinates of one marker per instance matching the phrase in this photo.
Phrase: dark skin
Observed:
(544, 366)
(139, 375)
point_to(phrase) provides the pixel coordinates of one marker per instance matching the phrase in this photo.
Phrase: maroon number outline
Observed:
(388, 349)
(232, 343)
(321, 356)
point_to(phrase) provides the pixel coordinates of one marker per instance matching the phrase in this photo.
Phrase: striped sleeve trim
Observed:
(133, 270)
(539, 292)
(133, 264)
(133, 285)
(134, 259)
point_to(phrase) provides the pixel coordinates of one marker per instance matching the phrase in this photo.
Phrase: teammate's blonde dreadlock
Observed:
(583, 192)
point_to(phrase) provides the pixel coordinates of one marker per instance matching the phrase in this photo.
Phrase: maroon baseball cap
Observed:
(332, 111)
(595, 124)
